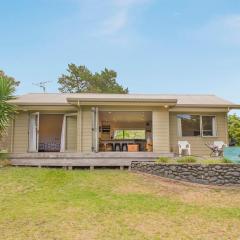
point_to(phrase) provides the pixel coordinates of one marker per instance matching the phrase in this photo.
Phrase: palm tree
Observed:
(7, 110)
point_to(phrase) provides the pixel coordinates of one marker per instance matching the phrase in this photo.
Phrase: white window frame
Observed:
(215, 132)
(33, 130)
(95, 129)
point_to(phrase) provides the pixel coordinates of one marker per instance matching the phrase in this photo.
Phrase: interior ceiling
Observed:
(115, 116)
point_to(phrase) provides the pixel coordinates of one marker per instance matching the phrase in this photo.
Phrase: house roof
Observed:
(184, 100)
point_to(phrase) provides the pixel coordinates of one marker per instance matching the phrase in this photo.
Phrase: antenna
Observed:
(42, 85)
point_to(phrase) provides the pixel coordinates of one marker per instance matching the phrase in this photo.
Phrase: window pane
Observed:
(208, 125)
(190, 125)
(130, 134)
(134, 134)
(118, 134)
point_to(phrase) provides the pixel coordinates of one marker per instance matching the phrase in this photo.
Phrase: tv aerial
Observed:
(42, 85)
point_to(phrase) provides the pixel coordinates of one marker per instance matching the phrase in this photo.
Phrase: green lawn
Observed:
(111, 204)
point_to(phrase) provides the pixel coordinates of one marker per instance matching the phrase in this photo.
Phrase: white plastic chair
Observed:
(184, 146)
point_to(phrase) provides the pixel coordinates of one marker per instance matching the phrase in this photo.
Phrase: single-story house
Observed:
(77, 128)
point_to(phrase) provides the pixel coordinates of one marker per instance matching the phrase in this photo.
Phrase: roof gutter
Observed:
(171, 102)
(37, 104)
(230, 107)
(236, 106)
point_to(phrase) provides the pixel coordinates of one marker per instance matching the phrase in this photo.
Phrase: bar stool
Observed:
(117, 147)
(109, 147)
(124, 147)
(102, 147)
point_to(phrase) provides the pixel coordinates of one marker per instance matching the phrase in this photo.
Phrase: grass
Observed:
(111, 204)
(226, 160)
(163, 160)
(187, 159)
(191, 159)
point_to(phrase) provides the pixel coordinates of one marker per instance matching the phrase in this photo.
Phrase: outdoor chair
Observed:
(216, 148)
(184, 146)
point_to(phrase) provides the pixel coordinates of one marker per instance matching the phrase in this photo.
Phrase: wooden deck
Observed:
(103, 159)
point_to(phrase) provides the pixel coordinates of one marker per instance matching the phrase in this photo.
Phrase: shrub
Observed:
(211, 161)
(3, 155)
(234, 128)
(163, 160)
(187, 159)
(7, 110)
(4, 158)
(226, 160)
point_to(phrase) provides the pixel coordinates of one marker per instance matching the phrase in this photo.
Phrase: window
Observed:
(208, 126)
(190, 125)
(196, 125)
(129, 134)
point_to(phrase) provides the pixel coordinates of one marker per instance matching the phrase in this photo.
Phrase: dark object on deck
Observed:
(117, 147)
(124, 147)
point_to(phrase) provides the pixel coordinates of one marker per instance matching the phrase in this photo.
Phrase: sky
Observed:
(155, 46)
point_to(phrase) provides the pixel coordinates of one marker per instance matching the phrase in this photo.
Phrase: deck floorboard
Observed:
(82, 159)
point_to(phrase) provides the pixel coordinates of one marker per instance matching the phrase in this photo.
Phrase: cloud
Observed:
(120, 17)
(115, 23)
(221, 30)
(108, 20)
(129, 3)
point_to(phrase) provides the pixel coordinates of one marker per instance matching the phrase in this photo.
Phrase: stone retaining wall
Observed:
(213, 174)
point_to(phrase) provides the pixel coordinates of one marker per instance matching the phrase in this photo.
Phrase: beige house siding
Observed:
(160, 128)
(86, 129)
(20, 135)
(198, 143)
(71, 133)
(164, 126)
